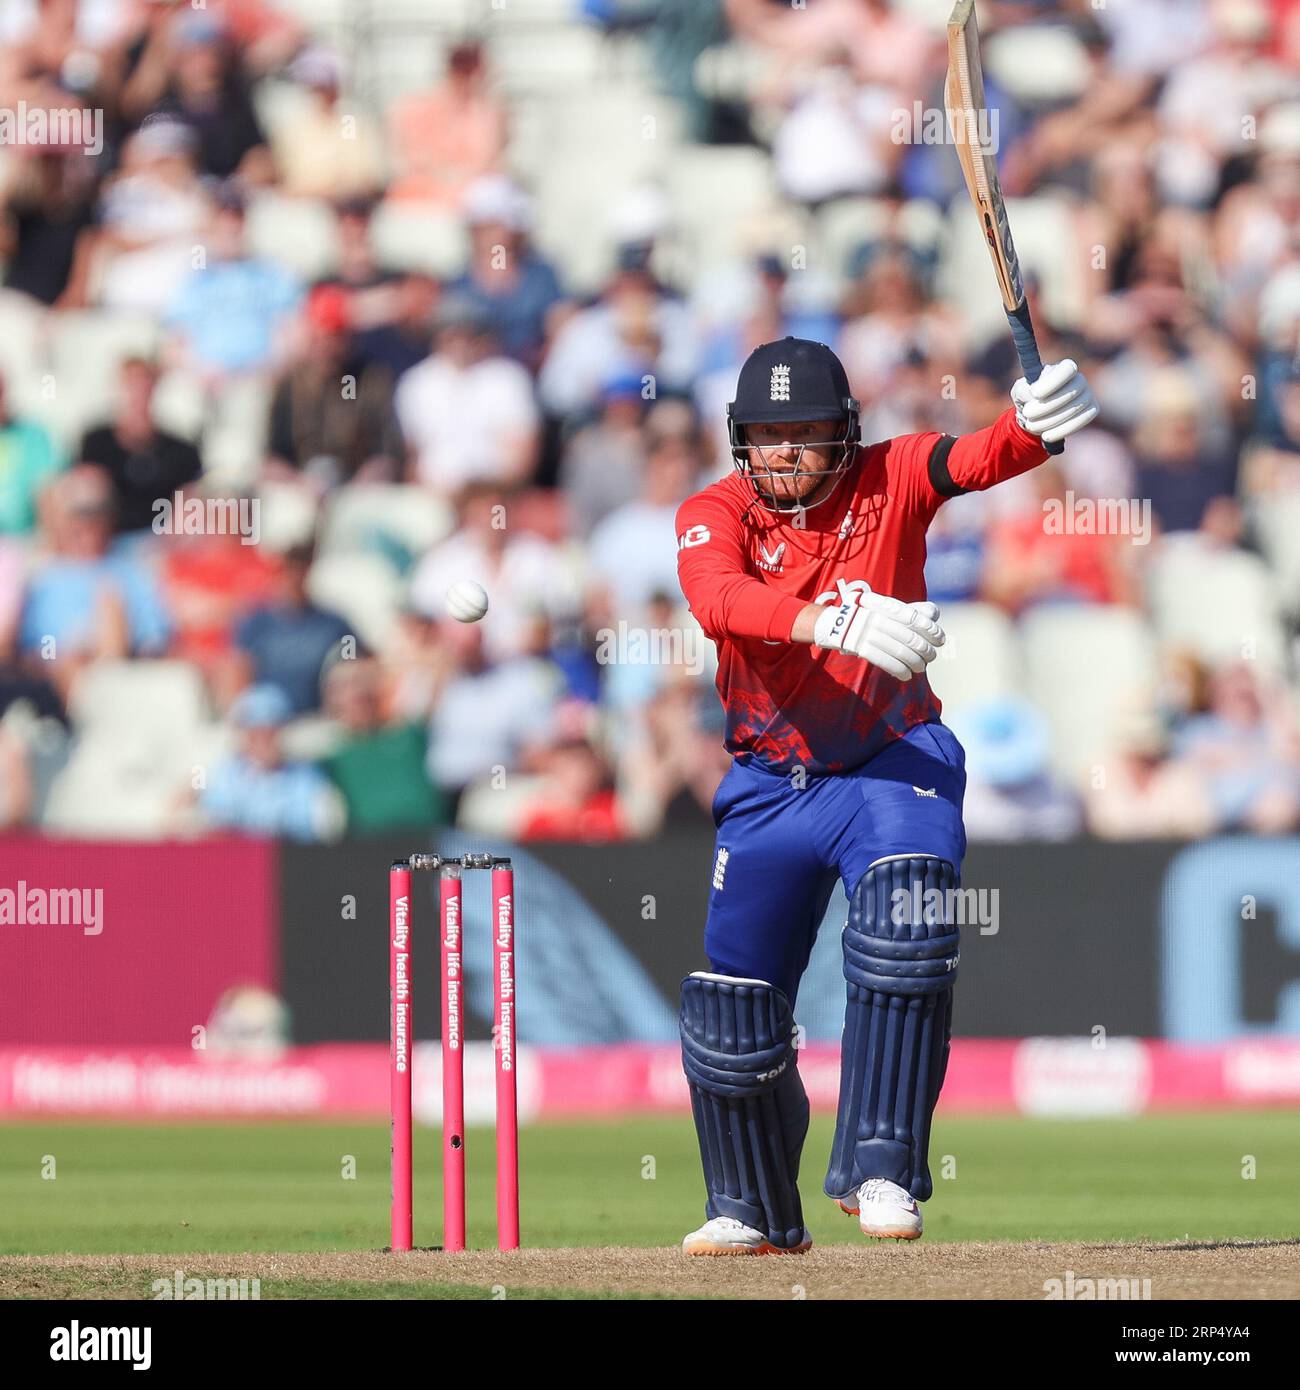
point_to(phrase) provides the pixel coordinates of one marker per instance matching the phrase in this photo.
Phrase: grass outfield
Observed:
(280, 1188)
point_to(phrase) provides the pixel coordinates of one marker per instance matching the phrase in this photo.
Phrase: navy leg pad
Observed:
(900, 961)
(751, 1112)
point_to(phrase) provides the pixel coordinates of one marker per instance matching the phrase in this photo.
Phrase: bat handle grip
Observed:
(1022, 334)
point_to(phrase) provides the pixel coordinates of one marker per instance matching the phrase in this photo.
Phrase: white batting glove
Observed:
(1060, 403)
(901, 638)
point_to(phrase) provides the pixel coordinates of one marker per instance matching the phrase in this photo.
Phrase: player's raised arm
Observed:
(1060, 403)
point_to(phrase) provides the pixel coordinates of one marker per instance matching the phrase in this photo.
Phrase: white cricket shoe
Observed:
(724, 1235)
(884, 1210)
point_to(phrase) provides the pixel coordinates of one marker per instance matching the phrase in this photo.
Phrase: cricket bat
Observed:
(968, 122)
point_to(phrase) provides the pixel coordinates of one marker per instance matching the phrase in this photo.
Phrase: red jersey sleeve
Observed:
(934, 467)
(725, 599)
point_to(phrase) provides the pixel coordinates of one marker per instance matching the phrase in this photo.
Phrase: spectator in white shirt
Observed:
(467, 413)
(636, 327)
(151, 216)
(1151, 37)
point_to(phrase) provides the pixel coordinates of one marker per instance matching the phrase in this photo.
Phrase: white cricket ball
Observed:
(467, 601)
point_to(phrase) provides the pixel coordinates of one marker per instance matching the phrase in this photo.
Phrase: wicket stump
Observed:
(401, 1040)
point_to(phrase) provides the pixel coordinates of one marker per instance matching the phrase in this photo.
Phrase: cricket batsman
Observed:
(806, 568)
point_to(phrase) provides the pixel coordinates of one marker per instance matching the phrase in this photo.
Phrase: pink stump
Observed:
(453, 1062)
(399, 1051)
(504, 1047)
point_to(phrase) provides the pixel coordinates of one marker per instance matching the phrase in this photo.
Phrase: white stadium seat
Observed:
(493, 810)
(1043, 225)
(720, 196)
(1086, 667)
(1277, 522)
(980, 660)
(288, 514)
(554, 58)
(418, 236)
(1221, 604)
(234, 442)
(179, 405)
(74, 385)
(1038, 64)
(374, 518)
(21, 338)
(279, 102)
(361, 589)
(627, 140)
(299, 234)
(165, 698)
(143, 728)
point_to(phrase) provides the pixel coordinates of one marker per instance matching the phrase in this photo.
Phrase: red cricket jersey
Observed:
(747, 572)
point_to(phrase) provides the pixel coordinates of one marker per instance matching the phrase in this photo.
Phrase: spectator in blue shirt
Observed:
(1245, 750)
(512, 286)
(85, 601)
(256, 791)
(284, 644)
(232, 315)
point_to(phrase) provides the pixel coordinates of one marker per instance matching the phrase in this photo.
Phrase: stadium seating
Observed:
(1085, 667)
(979, 661)
(597, 129)
(299, 234)
(1277, 522)
(1221, 604)
(363, 589)
(416, 236)
(397, 522)
(144, 729)
(1042, 226)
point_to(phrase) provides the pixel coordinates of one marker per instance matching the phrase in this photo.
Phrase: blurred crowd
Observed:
(238, 544)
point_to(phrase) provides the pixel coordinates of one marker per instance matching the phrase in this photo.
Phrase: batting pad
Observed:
(751, 1113)
(900, 961)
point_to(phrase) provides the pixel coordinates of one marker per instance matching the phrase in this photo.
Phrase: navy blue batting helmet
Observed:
(795, 380)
